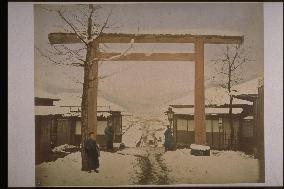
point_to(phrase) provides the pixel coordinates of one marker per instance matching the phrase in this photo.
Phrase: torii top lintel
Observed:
(69, 38)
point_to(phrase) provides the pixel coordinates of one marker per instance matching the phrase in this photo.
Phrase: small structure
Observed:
(43, 127)
(217, 125)
(252, 129)
(58, 125)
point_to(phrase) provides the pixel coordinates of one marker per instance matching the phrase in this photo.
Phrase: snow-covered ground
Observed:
(149, 164)
(218, 168)
(115, 169)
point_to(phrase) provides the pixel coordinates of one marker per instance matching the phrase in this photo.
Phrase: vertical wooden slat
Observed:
(173, 127)
(212, 133)
(199, 108)
(260, 138)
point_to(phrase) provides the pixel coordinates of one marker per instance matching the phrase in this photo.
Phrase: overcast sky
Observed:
(143, 85)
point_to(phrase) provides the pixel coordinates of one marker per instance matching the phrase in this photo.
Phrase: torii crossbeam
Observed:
(197, 57)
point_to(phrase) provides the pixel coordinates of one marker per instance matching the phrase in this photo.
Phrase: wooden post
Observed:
(199, 101)
(93, 91)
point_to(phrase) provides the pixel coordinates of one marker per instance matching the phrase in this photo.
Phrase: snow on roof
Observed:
(65, 111)
(219, 96)
(248, 117)
(103, 114)
(73, 99)
(199, 147)
(103, 103)
(104, 108)
(249, 87)
(50, 110)
(190, 111)
(70, 99)
(72, 114)
(44, 94)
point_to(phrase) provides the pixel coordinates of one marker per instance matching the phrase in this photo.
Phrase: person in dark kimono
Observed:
(93, 153)
(168, 139)
(109, 136)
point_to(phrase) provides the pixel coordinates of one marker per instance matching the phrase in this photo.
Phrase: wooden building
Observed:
(43, 127)
(58, 125)
(252, 130)
(217, 125)
(104, 118)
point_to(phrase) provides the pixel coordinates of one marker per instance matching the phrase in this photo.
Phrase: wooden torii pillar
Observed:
(198, 40)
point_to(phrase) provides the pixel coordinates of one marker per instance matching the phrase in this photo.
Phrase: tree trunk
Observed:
(87, 111)
(84, 119)
(84, 113)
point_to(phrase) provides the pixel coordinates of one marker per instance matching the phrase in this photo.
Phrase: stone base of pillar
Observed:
(199, 150)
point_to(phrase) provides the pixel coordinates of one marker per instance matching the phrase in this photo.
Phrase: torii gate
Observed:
(197, 57)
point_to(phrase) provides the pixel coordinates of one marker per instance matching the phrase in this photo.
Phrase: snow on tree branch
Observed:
(71, 25)
(58, 62)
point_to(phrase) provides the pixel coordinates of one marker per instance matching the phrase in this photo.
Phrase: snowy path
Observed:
(152, 167)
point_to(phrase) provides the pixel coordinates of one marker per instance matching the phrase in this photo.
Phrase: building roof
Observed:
(70, 105)
(248, 97)
(66, 111)
(208, 111)
(44, 101)
(213, 106)
(248, 117)
(219, 96)
(51, 110)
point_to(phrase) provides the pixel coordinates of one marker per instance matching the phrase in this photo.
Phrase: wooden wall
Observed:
(42, 137)
(260, 133)
(216, 138)
(63, 131)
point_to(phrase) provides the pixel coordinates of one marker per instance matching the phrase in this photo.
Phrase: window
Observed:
(216, 126)
(118, 126)
(212, 125)
(208, 125)
(78, 128)
(247, 130)
(101, 127)
(182, 125)
(190, 125)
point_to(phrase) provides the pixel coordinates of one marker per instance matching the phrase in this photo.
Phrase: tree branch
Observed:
(74, 64)
(71, 25)
(104, 25)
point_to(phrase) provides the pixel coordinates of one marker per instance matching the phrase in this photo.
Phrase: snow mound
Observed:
(199, 147)
(63, 148)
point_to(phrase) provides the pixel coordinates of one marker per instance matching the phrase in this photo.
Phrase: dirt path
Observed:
(153, 170)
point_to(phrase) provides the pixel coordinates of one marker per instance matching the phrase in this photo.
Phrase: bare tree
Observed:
(229, 72)
(81, 20)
